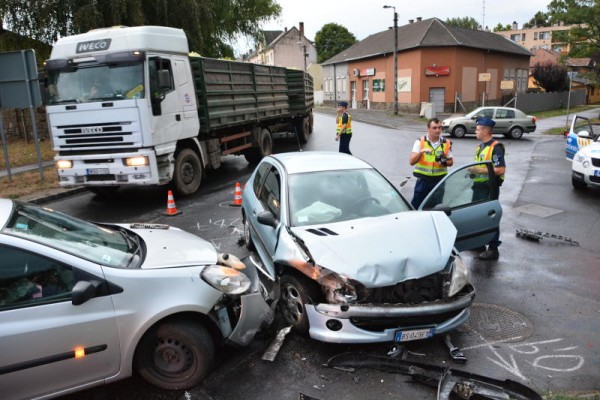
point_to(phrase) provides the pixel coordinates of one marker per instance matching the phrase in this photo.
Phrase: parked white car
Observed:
(83, 304)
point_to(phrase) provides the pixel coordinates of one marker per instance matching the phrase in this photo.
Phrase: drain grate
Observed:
(498, 324)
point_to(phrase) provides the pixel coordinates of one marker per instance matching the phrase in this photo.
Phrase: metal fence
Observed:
(533, 102)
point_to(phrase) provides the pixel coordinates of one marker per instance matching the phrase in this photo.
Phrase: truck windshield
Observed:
(93, 82)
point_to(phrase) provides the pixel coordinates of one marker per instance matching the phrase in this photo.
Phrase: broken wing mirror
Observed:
(266, 218)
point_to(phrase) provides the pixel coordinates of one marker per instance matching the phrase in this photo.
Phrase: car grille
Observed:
(595, 179)
(596, 162)
(413, 291)
(380, 324)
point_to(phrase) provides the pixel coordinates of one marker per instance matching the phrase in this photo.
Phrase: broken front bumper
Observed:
(368, 323)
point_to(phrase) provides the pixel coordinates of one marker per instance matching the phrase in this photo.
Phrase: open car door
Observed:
(471, 201)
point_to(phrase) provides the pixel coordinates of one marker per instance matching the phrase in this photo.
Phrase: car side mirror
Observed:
(83, 291)
(266, 218)
(583, 134)
(442, 207)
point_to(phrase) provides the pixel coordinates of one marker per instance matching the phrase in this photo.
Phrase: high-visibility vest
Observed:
(427, 166)
(348, 130)
(485, 154)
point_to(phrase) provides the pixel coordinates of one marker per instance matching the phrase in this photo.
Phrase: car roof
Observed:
(6, 207)
(314, 161)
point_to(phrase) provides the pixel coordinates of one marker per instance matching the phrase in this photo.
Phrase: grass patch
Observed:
(22, 153)
(27, 183)
(563, 111)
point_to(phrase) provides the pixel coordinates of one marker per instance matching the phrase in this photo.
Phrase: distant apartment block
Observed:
(537, 38)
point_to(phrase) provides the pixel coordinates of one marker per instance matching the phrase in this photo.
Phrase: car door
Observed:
(504, 119)
(472, 123)
(269, 200)
(472, 201)
(48, 344)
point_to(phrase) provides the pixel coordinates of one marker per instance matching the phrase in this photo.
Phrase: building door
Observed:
(437, 97)
(353, 94)
(366, 103)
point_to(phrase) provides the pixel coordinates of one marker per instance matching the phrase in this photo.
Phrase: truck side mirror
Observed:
(164, 79)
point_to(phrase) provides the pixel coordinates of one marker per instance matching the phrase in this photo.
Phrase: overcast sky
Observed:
(366, 17)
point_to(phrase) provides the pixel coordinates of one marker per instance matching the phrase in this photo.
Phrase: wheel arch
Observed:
(195, 145)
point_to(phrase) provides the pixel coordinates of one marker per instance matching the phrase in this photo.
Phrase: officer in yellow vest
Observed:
(431, 155)
(343, 132)
(488, 150)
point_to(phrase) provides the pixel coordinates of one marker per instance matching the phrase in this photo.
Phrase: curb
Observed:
(43, 199)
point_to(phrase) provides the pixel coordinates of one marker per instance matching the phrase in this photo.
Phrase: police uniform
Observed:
(429, 171)
(491, 150)
(344, 134)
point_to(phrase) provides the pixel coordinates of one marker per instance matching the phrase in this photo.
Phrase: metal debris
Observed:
(536, 236)
(456, 353)
(276, 344)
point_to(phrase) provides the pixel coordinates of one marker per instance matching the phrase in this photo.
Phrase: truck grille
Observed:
(108, 134)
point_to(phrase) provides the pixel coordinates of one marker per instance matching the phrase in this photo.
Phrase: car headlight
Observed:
(582, 159)
(225, 279)
(460, 276)
(64, 164)
(338, 288)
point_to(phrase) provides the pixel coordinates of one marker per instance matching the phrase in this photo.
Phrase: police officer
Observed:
(431, 155)
(488, 150)
(343, 132)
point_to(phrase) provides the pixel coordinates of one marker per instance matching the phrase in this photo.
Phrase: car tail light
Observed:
(533, 119)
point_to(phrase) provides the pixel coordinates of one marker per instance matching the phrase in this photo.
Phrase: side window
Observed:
(270, 193)
(258, 178)
(27, 279)
(155, 65)
(510, 114)
(500, 114)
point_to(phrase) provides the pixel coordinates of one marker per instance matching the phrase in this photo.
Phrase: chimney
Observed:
(410, 21)
(419, 19)
(515, 26)
(301, 25)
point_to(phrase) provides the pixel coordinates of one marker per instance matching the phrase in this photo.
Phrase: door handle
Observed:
(491, 213)
(177, 117)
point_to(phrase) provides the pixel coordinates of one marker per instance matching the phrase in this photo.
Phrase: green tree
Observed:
(540, 19)
(331, 39)
(551, 77)
(500, 27)
(209, 24)
(465, 22)
(585, 15)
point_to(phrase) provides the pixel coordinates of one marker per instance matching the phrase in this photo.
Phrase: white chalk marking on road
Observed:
(580, 359)
(534, 348)
(492, 343)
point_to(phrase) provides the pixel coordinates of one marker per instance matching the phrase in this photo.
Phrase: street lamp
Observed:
(395, 59)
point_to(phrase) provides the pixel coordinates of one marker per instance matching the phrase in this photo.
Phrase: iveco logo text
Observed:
(94, 45)
(91, 130)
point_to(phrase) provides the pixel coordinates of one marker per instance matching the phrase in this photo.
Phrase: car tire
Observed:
(247, 235)
(188, 172)
(175, 355)
(459, 131)
(578, 184)
(296, 292)
(516, 132)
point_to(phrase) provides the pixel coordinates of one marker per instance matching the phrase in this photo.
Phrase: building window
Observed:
(544, 35)
(344, 84)
(339, 84)
(535, 35)
(522, 80)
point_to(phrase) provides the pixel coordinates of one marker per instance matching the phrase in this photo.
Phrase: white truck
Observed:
(130, 106)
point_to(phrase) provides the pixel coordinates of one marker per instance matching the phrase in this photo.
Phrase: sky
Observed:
(366, 17)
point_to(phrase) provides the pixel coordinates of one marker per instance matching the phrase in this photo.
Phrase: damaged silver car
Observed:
(347, 257)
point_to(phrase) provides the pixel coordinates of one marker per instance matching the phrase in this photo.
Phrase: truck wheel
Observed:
(175, 355)
(303, 130)
(264, 148)
(188, 172)
(311, 122)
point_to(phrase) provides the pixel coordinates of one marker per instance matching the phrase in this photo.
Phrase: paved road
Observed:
(536, 320)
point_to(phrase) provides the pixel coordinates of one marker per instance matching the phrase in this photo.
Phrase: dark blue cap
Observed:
(486, 121)
(343, 104)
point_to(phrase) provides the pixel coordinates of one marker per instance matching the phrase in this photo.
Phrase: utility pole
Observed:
(395, 59)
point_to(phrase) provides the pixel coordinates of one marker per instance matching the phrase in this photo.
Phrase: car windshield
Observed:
(342, 195)
(80, 238)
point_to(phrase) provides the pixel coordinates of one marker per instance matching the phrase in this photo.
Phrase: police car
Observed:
(582, 133)
(586, 166)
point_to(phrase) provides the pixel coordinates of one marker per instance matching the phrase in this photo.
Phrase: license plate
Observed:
(416, 334)
(97, 171)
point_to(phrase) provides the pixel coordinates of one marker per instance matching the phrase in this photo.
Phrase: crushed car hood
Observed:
(385, 250)
(167, 247)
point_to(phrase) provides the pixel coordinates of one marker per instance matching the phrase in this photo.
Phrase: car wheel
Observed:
(578, 184)
(175, 355)
(516, 133)
(247, 235)
(296, 292)
(188, 172)
(459, 131)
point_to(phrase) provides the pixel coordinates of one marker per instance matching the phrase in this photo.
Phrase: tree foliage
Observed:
(500, 27)
(465, 22)
(331, 39)
(540, 19)
(585, 15)
(209, 24)
(551, 77)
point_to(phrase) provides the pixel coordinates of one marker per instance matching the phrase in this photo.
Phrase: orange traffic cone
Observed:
(237, 195)
(171, 208)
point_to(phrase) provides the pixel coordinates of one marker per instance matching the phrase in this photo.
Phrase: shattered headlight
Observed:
(338, 288)
(460, 276)
(225, 279)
